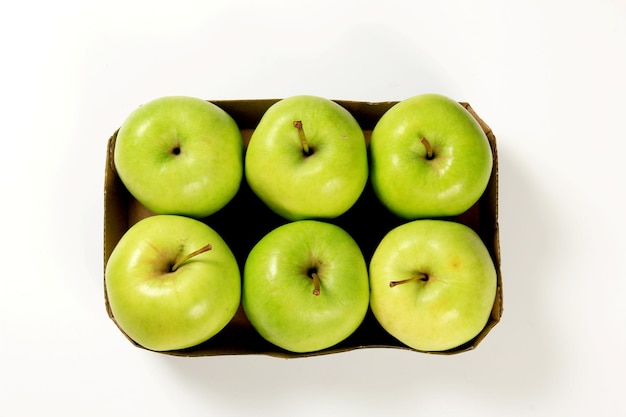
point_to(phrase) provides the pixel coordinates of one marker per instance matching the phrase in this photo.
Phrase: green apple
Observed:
(307, 158)
(172, 283)
(433, 284)
(180, 155)
(429, 158)
(305, 286)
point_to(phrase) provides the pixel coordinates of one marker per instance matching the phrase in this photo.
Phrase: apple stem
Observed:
(429, 149)
(316, 283)
(191, 255)
(421, 277)
(305, 146)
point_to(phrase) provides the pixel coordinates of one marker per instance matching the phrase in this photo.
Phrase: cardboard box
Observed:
(245, 220)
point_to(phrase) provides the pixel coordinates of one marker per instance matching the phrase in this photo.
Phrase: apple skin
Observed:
(453, 305)
(278, 294)
(162, 310)
(408, 183)
(180, 155)
(322, 185)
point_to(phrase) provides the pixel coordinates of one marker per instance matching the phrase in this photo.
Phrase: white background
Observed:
(547, 76)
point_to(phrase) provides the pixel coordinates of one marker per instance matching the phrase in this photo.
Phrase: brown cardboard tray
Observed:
(245, 220)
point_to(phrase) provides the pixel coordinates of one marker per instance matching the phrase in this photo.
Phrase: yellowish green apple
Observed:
(305, 286)
(172, 283)
(429, 158)
(180, 155)
(307, 158)
(433, 284)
